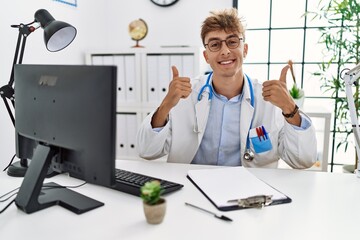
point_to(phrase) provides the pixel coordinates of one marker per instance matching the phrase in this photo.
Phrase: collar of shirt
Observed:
(235, 99)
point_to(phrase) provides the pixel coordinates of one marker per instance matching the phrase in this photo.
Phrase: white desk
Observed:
(325, 206)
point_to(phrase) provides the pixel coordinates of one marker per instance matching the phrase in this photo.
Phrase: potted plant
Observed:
(341, 49)
(296, 93)
(154, 205)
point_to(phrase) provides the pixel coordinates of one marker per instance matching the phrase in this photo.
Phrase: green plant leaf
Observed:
(151, 192)
(296, 92)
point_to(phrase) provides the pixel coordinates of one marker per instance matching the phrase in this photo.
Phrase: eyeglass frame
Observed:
(221, 41)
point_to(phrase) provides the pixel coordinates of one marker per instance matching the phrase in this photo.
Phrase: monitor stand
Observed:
(33, 196)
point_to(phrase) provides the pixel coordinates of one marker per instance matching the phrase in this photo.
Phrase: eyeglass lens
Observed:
(215, 44)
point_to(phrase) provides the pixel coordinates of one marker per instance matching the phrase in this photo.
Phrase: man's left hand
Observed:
(276, 92)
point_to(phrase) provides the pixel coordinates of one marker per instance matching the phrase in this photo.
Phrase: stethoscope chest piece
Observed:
(248, 155)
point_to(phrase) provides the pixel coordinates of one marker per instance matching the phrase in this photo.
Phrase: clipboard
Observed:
(233, 188)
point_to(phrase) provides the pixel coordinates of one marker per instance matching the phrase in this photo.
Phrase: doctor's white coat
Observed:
(181, 136)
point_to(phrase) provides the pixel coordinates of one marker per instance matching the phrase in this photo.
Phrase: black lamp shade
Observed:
(57, 35)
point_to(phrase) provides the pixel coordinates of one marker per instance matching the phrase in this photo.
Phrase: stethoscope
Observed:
(248, 154)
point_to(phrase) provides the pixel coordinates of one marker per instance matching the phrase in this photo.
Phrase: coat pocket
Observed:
(261, 142)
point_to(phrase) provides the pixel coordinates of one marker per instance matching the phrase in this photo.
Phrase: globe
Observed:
(138, 30)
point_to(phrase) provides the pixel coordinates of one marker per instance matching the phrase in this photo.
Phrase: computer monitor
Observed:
(65, 118)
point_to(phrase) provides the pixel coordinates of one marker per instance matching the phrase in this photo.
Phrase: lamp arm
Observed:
(350, 78)
(19, 39)
(24, 32)
(7, 91)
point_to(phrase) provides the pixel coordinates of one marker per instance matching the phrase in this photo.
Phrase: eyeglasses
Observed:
(231, 42)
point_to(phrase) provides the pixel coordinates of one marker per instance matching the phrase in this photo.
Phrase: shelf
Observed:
(143, 77)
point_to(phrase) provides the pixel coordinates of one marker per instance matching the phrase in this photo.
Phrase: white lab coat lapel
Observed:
(202, 109)
(246, 115)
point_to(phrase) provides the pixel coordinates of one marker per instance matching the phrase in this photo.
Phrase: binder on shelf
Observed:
(176, 60)
(121, 87)
(152, 88)
(232, 188)
(108, 60)
(131, 129)
(121, 136)
(165, 75)
(97, 60)
(130, 78)
(188, 66)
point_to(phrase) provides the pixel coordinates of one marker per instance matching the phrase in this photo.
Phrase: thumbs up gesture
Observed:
(179, 87)
(276, 92)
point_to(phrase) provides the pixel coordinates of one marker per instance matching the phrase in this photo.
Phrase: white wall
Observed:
(101, 25)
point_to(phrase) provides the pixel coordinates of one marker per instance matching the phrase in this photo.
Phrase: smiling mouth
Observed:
(227, 62)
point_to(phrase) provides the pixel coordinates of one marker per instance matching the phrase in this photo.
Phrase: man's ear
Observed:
(205, 56)
(246, 48)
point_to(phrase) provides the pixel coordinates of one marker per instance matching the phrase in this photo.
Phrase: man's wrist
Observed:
(160, 117)
(291, 114)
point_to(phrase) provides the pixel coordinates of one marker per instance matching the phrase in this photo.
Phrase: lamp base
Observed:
(18, 169)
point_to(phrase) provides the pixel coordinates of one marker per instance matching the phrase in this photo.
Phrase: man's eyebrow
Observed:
(216, 38)
(232, 35)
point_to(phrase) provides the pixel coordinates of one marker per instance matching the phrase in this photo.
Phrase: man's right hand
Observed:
(179, 87)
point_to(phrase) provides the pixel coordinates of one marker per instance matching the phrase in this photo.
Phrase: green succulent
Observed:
(151, 192)
(296, 92)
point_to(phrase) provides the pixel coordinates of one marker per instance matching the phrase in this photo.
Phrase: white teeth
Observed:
(226, 62)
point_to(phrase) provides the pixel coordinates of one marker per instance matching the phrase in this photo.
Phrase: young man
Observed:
(227, 118)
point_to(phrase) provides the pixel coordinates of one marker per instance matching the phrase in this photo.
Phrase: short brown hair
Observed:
(226, 20)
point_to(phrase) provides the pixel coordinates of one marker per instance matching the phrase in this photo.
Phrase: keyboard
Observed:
(131, 182)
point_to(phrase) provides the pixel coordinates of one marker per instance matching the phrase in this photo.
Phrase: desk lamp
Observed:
(57, 36)
(351, 78)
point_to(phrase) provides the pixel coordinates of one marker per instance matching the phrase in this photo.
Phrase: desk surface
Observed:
(324, 206)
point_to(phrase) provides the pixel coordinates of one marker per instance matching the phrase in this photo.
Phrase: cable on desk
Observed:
(8, 194)
(13, 193)
(11, 161)
(3, 210)
(60, 186)
(4, 200)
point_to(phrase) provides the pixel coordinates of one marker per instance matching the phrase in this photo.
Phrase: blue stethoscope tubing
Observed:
(252, 102)
(203, 88)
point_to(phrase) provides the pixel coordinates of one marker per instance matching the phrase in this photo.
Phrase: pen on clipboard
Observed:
(222, 217)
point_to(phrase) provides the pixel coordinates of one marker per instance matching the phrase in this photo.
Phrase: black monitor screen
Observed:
(66, 119)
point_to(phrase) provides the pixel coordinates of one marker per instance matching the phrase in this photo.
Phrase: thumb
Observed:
(283, 73)
(175, 72)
